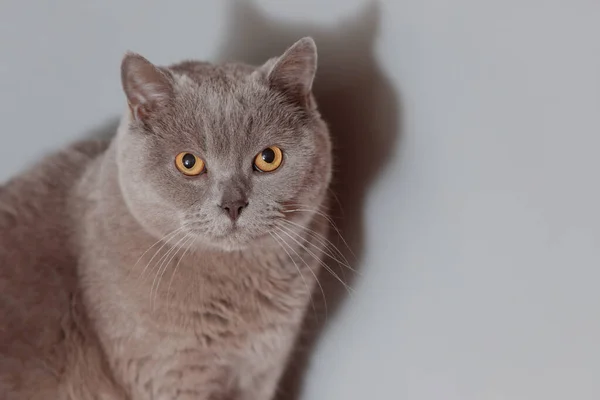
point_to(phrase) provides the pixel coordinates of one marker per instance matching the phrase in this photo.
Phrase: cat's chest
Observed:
(204, 357)
(206, 324)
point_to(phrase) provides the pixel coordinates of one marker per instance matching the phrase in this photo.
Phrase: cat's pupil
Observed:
(189, 161)
(268, 155)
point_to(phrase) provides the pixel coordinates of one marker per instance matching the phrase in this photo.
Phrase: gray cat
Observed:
(177, 260)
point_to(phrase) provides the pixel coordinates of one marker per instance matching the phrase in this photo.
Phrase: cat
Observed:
(177, 260)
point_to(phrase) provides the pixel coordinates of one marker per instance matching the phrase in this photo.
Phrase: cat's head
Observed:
(222, 152)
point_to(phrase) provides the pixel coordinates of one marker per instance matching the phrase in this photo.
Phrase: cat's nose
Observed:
(234, 207)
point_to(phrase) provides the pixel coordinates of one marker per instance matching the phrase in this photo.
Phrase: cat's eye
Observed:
(189, 164)
(269, 159)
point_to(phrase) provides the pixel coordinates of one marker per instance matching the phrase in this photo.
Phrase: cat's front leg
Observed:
(264, 387)
(260, 382)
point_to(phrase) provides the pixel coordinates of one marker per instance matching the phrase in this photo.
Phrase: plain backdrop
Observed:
(479, 226)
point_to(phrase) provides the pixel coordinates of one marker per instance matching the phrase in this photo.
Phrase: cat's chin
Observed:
(233, 242)
(227, 245)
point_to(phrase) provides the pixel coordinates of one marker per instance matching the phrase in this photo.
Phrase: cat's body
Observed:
(46, 343)
(94, 305)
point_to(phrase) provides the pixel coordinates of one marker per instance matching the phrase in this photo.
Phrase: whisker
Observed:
(322, 250)
(297, 268)
(314, 211)
(337, 200)
(331, 222)
(319, 207)
(348, 288)
(325, 242)
(314, 235)
(161, 258)
(311, 271)
(166, 263)
(329, 249)
(163, 266)
(189, 245)
(341, 264)
(168, 235)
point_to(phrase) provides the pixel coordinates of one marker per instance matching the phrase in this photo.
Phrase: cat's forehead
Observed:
(200, 71)
(225, 106)
(216, 90)
(212, 84)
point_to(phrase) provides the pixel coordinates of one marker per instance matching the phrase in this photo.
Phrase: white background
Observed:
(481, 257)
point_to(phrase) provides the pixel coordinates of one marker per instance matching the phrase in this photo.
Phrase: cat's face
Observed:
(221, 153)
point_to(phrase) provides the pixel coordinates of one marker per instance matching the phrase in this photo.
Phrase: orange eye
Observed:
(269, 159)
(189, 164)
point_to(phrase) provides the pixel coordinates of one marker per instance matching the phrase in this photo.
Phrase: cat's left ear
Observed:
(147, 88)
(293, 73)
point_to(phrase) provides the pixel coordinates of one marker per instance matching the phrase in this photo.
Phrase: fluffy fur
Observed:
(121, 278)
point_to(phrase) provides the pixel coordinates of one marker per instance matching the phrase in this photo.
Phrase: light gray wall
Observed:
(480, 256)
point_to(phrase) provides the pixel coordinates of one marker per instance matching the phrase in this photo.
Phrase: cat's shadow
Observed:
(363, 113)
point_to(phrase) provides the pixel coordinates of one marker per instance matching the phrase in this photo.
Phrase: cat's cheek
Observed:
(148, 206)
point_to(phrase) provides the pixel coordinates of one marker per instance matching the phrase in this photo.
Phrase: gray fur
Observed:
(121, 278)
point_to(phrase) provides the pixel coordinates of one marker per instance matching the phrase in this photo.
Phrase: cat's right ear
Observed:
(147, 87)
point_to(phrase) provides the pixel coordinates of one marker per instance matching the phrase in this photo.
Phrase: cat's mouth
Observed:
(225, 234)
(233, 237)
(229, 231)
